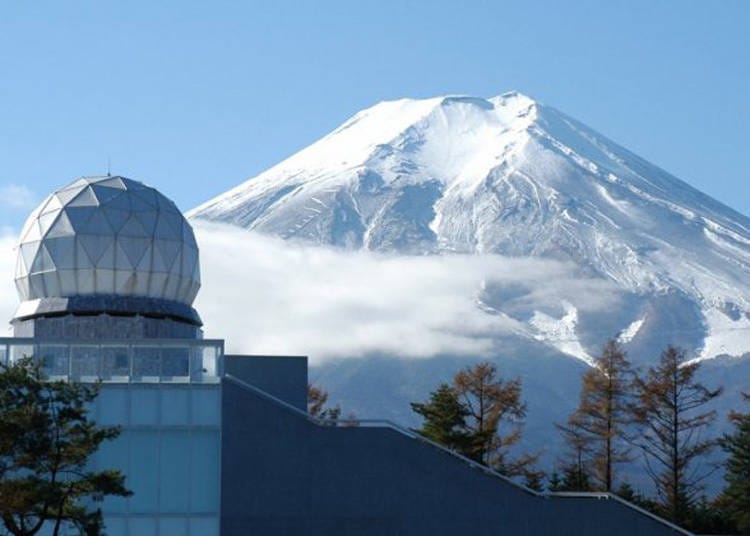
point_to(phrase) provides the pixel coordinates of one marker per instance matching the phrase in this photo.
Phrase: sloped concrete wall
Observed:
(282, 474)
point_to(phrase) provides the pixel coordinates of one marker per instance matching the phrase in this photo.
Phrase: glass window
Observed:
(144, 406)
(205, 469)
(175, 406)
(19, 351)
(116, 526)
(146, 363)
(175, 364)
(84, 363)
(206, 405)
(112, 404)
(142, 526)
(209, 361)
(143, 477)
(204, 526)
(175, 472)
(173, 525)
(54, 360)
(115, 363)
(114, 455)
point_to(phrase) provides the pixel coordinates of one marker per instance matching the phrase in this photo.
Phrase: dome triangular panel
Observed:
(46, 221)
(133, 228)
(134, 248)
(84, 199)
(52, 203)
(63, 251)
(169, 249)
(42, 261)
(28, 251)
(120, 202)
(104, 193)
(98, 225)
(95, 246)
(61, 227)
(148, 220)
(116, 218)
(78, 216)
(147, 196)
(66, 196)
(113, 182)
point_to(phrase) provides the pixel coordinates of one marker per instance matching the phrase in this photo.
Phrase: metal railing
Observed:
(121, 360)
(613, 497)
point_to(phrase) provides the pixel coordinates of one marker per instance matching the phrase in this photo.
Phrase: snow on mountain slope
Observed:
(509, 175)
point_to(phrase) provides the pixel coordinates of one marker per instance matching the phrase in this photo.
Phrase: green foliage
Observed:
(534, 480)
(554, 483)
(479, 416)
(626, 491)
(735, 500)
(444, 419)
(46, 441)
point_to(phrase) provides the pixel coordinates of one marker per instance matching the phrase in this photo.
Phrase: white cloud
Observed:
(8, 296)
(265, 295)
(17, 197)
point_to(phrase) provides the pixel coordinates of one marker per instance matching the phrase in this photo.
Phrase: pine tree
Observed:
(670, 411)
(596, 431)
(444, 419)
(46, 442)
(735, 499)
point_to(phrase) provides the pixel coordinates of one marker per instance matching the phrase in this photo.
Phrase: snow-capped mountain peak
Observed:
(508, 175)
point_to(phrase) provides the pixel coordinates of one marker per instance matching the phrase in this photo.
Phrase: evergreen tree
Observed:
(735, 499)
(444, 419)
(534, 480)
(670, 411)
(554, 483)
(595, 432)
(46, 442)
(626, 491)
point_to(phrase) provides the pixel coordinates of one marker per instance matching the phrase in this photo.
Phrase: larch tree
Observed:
(670, 409)
(495, 418)
(317, 400)
(46, 443)
(596, 431)
(735, 499)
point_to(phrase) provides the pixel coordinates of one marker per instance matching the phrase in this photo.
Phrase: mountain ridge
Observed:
(508, 175)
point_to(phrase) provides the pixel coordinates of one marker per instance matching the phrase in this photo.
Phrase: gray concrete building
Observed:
(107, 272)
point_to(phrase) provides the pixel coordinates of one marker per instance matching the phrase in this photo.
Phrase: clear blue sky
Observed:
(195, 97)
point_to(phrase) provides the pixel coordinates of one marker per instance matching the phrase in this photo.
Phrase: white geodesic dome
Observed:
(107, 236)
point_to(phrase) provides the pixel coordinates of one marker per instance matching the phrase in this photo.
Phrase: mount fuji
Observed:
(510, 176)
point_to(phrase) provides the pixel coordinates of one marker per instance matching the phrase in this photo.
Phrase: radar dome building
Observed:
(107, 272)
(107, 245)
